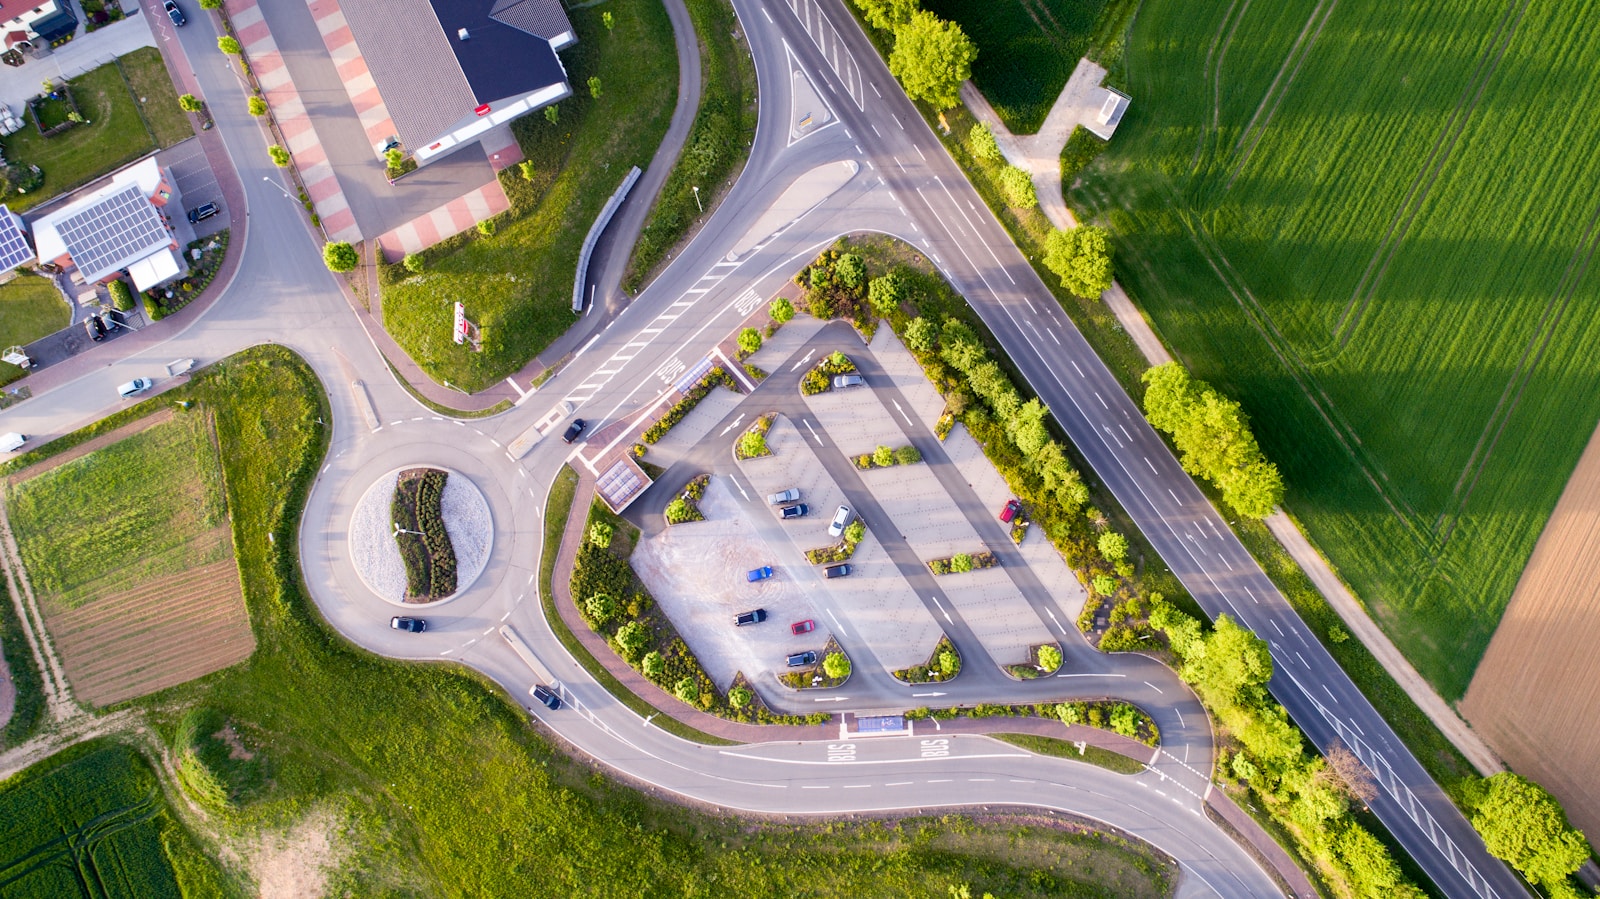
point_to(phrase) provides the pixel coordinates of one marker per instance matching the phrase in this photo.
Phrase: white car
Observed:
(841, 520)
(136, 386)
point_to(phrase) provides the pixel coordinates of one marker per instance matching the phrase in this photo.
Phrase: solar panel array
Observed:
(14, 249)
(105, 236)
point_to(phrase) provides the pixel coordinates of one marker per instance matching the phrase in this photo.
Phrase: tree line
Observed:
(1213, 438)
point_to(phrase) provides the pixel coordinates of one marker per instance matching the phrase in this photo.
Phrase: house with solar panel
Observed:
(118, 227)
(32, 23)
(15, 251)
(450, 70)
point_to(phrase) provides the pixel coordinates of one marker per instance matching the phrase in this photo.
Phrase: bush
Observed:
(602, 607)
(740, 696)
(1018, 187)
(601, 533)
(686, 405)
(280, 156)
(851, 271)
(855, 533)
(486, 227)
(340, 257)
(190, 103)
(960, 563)
(652, 665)
(1049, 658)
(1125, 719)
(1104, 584)
(836, 665)
(949, 663)
(1081, 258)
(814, 382)
(210, 4)
(921, 334)
(687, 690)
(414, 263)
(229, 45)
(526, 168)
(781, 310)
(883, 457)
(1113, 546)
(121, 295)
(749, 340)
(939, 566)
(631, 639)
(154, 310)
(886, 293)
(258, 106)
(679, 511)
(983, 144)
(907, 455)
(753, 445)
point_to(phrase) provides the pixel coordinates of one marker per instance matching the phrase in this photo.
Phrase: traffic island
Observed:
(420, 535)
(943, 666)
(829, 669)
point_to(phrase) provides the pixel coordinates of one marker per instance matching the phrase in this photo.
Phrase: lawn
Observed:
(517, 285)
(114, 134)
(136, 510)
(1026, 51)
(92, 822)
(30, 308)
(1374, 228)
(146, 74)
(333, 728)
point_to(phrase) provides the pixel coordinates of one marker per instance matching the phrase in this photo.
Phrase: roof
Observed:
(430, 79)
(155, 269)
(1112, 107)
(540, 18)
(109, 228)
(14, 249)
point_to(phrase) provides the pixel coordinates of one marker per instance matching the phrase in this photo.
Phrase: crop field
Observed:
(1026, 51)
(95, 826)
(1374, 226)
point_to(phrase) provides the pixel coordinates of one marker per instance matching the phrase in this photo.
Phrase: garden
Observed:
(681, 409)
(30, 308)
(160, 302)
(943, 665)
(425, 546)
(685, 507)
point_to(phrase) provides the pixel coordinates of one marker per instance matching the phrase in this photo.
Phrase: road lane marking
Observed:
(1091, 675)
(1274, 623)
(1075, 367)
(733, 424)
(1101, 399)
(941, 609)
(874, 89)
(903, 413)
(875, 129)
(812, 430)
(900, 783)
(1052, 613)
(897, 121)
(1030, 305)
(1225, 561)
(1154, 687)
(834, 617)
(919, 152)
(1151, 464)
(1181, 724)
(1330, 693)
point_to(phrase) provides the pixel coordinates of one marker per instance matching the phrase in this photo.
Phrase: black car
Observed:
(547, 696)
(201, 213)
(798, 510)
(574, 429)
(754, 616)
(802, 659)
(833, 571)
(403, 623)
(174, 13)
(95, 328)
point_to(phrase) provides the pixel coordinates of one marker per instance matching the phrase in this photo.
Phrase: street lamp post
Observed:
(280, 188)
(696, 189)
(398, 530)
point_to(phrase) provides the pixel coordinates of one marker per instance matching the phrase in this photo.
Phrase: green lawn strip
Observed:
(558, 508)
(1026, 51)
(1065, 749)
(517, 284)
(30, 308)
(1426, 483)
(152, 88)
(158, 492)
(718, 145)
(442, 409)
(28, 712)
(113, 135)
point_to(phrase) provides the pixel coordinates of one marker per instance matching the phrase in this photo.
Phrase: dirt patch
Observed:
(236, 747)
(295, 865)
(89, 446)
(1536, 694)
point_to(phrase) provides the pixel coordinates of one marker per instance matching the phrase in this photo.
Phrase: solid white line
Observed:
(1091, 675)
(1154, 687)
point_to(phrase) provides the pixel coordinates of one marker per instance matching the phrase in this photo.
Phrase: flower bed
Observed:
(832, 670)
(55, 111)
(160, 302)
(753, 442)
(686, 506)
(961, 563)
(425, 546)
(942, 427)
(841, 551)
(820, 378)
(1044, 659)
(1118, 717)
(943, 665)
(884, 457)
(686, 405)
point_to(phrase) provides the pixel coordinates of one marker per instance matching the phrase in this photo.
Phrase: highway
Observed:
(903, 184)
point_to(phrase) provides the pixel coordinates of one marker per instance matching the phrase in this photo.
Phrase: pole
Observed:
(696, 190)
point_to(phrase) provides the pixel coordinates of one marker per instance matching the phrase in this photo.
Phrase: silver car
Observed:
(843, 381)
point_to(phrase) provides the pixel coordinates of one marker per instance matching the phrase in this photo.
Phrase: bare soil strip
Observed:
(89, 446)
(1536, 694)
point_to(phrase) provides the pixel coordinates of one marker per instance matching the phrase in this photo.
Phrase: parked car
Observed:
(574, 429)
(174, 13)
(840, 570)
(1010, 511)
(754, 616)
(95, 328)
(403, 623)
(137, 385)
(547, 696)
(802, 659)
(842, 381)
(841, 520)
(201, 213)
(798, 510)
(758, 574)
(803, 627)
(787, 496)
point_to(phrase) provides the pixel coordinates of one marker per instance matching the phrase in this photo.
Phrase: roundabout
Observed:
(374, 536)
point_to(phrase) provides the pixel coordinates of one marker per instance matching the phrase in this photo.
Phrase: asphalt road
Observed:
(905, 186)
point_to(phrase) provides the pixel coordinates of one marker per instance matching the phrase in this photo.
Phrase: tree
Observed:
(1070, 713)
(960, 563)
(749, 340)
(602, 607)
(1017, 185)
(887, 15)
(631, 639)
(280, 156)
(931, 57)
(883, 457)
(340, 257)
(1113, 547)
(836, 665)
(753, 444)
(687, 690)
(1371, 869)
(1232, 666)
(1349, 775)
(1124, 719)
(850, 271)
(1049, 657)
(258, 106)
(781, 310)
(984, 145)
(594, 86)
(190, 103)
(414, 263)
(1081, 258)
(229, 45)
(949, 662)
(1213, 437)
(210, 4)
(921, 335)
(1104, 584)
(886, 293)
(653, 665)
(1525, 826)
(907, 455)
(856, 532)
(608, 20)
(1027, 427)
(601, 533)
(740, 696)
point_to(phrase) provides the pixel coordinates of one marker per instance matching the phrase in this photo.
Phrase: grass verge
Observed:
(1058, 748)
(28, 712)
(146, 75)
(717, 147)
(30, 308)
(441, 408)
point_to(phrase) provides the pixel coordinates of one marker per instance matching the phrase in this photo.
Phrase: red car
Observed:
(803, 627)
(1010, 511)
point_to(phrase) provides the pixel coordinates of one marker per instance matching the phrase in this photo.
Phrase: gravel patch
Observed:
(376, 556)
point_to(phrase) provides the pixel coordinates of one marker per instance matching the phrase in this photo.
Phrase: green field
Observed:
(1026, 50)
(1373, 224)
(30, 308)
(517, 285)
(140, 508)
(115, 133)
(92, 822)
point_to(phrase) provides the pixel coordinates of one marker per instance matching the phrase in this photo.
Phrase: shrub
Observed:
(602, 607)
(121, 295)
(855, 533)
(921, 334)
(687, 690)
(907, 455)
(1018, 188)
(960, 563)
(679, 511)
(601, 533)
(1125, 719)
(1049, 657)
(258, 106)
(939, 566)
(594, 86)
(753, 444)
(836, 665)
(340, 257)
(1113, 546)
(190, 103)
(414, 263)
(154, 310)
(280, 156)
(949, 663)
(851, 271)
(1081, 258)
(631, 639)
(526, 169)
(229, 45)
(814, 382)
(210, 4)
(984, 146)
(1337, 634)
(740, 696)
(1070, 713)
(749, 340)
(552, 114)
(883, 457)
(781, 310)
(886, 293)
(653, 665)
(1104, 584)
(486, 227)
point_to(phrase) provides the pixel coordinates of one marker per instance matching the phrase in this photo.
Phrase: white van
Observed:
(137, 385)
(10, 443)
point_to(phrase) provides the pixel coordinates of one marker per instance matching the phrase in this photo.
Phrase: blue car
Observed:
(759, 574)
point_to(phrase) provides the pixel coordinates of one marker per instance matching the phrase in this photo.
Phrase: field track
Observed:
(1536, 695)
(159, 634)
